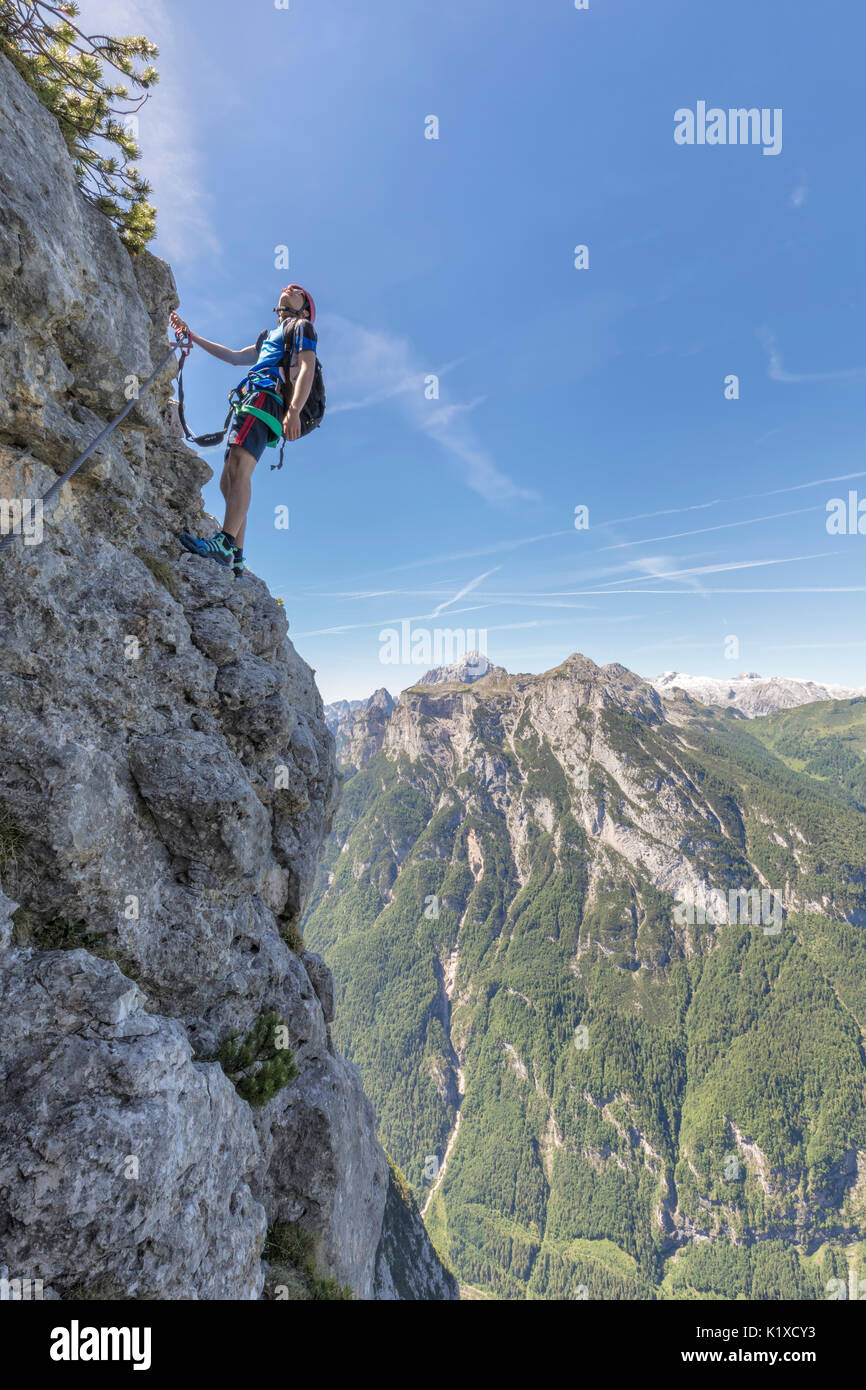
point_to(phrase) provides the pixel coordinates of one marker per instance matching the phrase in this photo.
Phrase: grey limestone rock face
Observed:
(121, 1160)
(166, 784)
(7, 908)
(407, 1266)
(359, 726)
(322, 981)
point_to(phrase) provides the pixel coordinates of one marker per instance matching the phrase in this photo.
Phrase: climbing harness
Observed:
(103, 434)
(205, 441)
(311, 414)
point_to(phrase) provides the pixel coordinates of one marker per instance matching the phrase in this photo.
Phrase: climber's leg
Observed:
(221, 546)
(238, 491)
(224, 479)
(246, 443)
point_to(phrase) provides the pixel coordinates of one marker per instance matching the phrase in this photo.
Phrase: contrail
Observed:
(703, 530)
(467, 589)
(728, 565)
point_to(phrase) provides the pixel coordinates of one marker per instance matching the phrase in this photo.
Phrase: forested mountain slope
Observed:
(605, 1073)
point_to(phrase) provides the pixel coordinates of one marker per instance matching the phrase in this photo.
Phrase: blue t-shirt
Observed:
(265, 375)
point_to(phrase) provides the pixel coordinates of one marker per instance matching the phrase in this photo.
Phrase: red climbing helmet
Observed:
(310, 299)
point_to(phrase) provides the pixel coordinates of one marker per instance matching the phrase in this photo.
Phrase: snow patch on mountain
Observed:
(753, 695)
(465, 670)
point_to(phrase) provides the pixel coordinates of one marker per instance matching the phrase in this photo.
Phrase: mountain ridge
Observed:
(748, 693)
(529, 856)
(751, 694)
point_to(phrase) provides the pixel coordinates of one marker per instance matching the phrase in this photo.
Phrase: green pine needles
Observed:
(260, 1064)
(74, 76)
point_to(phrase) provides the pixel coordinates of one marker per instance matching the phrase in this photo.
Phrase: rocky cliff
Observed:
(167, 780)
(359, 728)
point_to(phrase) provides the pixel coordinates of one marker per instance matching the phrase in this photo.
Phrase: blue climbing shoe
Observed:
(218, 548)
(238, 565)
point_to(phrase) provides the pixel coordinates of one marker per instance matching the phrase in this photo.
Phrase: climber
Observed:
(260, 419)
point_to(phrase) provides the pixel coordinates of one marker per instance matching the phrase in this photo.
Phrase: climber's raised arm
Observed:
(236, 357)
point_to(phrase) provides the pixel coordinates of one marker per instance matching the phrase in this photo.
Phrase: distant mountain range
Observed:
(601, 960)
(751, 694)
(359, 725)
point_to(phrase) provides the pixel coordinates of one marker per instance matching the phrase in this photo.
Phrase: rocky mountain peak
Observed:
(605, 687)
(358, 726)
(381, 699)
(466, 669)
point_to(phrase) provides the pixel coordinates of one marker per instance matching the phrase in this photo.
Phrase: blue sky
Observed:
(604, 387)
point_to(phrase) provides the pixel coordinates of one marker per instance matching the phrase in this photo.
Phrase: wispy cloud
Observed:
(704, 530)
(777, 372)
(668, 511)
(658, 567)
(655, 572)
(815, 482)
(361, 358)
(795, 589)
(517, 543)
(168, 130)
(383, 622)
(475, 554)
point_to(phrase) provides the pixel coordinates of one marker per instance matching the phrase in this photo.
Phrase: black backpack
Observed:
(313, 409)
(314, 406)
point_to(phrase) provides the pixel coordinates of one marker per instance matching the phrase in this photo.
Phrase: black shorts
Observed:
(251, 433)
